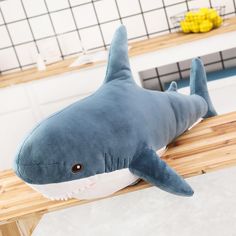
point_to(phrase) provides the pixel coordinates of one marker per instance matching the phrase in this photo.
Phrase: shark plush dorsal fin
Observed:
(149, 166)
(118, 67)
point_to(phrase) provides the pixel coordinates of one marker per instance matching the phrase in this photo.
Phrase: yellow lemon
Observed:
(189, 16)
(194, 27)
(185, 26)
(217, 21)
(199, 16)
(206, 26)
(204, 11)
(212, 15)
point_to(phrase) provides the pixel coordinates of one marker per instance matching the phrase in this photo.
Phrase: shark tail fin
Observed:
(198, 85)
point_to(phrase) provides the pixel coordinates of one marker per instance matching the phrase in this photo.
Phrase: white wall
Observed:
(54, 27)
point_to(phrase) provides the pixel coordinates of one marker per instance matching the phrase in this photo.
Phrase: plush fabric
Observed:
(120, 126)
(198, 85)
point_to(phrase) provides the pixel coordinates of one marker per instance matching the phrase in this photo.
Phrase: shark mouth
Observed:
(97, 186)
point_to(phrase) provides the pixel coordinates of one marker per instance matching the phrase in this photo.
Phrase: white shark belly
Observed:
(97, 186)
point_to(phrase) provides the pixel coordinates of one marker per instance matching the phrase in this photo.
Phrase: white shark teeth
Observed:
(68, 195)
(87, 188)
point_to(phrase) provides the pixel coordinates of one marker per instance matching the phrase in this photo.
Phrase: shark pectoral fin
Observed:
(149, 166)
(173, 87)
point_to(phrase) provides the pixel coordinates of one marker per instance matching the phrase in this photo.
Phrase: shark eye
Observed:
(76, 168)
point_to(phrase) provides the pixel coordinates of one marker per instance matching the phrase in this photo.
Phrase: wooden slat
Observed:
(209, 146)
(137, 48)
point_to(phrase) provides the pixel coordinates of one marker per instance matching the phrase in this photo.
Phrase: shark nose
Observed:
(23, 171)
(38, 173)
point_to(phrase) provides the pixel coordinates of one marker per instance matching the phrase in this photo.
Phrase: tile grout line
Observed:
(11, 40)
(144, 21)
(99, 25)
(54, 30)
(184, 70)
(31, 30)
(159, 79)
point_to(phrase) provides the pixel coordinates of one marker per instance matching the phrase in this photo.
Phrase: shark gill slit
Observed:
(105, 162)
(114, 163)
(118, 163)
(108, 163)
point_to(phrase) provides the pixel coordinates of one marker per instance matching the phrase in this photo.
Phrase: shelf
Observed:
(138, 48)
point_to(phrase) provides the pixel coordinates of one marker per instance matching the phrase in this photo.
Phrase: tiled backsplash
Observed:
(54, 28)
(156, 78)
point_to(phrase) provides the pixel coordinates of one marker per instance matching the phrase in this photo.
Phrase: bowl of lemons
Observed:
(199, 20)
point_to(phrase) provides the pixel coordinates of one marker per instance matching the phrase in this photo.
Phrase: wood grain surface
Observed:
(209, 146)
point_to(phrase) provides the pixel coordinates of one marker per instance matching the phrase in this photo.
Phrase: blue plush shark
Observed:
(108, 140)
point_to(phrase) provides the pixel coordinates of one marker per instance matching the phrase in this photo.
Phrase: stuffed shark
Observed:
(108, 140)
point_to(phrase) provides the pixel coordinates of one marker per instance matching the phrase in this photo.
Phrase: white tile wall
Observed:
(148, 73)
(41, 26)
(59, 4)
(16, 30)
(49, 49)
(5, 39)
(106, 15)
(135, 26)
(56, 22)
(27, 53)
(63, 21)
(211, 58)
(200, 3)
(151, 4)
(108, 30)
(230, 4)
(34, 8)
(175, 9)
(127, 8)
(91, 37)
(185, 64)
(78, 2)
(85, 15)
(8, 59)
(70, 43)
(153, 78)
(153, 22)
(168, 69)
(214, 67)
(1, 19)
(229, 53)
(12, 10)
(230, 63)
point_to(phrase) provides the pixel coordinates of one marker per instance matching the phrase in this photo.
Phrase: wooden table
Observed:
(209, 146)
